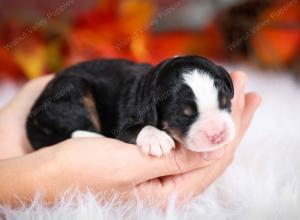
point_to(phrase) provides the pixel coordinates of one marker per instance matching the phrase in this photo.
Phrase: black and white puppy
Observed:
(186, 99)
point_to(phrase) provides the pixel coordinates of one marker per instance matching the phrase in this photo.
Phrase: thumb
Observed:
(178, 161)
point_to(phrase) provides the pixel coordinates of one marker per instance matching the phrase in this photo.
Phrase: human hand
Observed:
(108, 165)
(13, 116)
(188, 184)
(103, 164)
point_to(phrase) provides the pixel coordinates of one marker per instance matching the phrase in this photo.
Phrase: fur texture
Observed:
(262, 183)
(119, 98)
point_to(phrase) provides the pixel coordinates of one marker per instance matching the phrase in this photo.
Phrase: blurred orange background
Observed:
(40, 37)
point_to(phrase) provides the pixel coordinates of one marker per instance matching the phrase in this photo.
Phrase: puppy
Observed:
(183, 99)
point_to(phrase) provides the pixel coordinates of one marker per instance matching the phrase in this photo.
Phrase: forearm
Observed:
(22, 177)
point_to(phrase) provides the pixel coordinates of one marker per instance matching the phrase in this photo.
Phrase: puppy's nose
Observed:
(216, 137)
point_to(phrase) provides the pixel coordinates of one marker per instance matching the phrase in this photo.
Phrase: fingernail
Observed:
(214, 155)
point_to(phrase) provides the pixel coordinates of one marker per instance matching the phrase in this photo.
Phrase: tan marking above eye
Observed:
(188, 111)
(224, 100)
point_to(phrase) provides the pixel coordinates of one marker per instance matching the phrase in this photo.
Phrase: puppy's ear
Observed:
(228, 84)
(154, 76)
(155, 73)
(150, 95)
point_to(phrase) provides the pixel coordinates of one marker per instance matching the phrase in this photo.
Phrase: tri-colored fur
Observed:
(186, 99)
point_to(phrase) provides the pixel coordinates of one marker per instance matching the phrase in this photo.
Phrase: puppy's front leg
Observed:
(154, 141)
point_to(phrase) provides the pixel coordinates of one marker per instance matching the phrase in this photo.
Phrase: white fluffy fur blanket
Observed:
(262, 183)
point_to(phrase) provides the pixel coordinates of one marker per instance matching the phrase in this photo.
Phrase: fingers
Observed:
(183, 186)
(13, 115)
(187, 185)
(137, 167)
(180, 160)
(239, 82)
(24, 100)
(30, 92)
(252, 102)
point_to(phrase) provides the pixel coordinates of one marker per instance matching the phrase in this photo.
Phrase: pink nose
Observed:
(210, 137)
(216, 137)
(208, 133)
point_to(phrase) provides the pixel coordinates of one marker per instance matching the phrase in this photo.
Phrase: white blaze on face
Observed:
(214, 127)
(204, 90)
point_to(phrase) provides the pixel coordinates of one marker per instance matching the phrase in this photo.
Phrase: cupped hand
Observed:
(108, 165)
(13, 117)
(186, 185)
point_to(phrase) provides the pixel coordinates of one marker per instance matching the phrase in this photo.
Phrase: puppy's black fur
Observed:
(117, 98)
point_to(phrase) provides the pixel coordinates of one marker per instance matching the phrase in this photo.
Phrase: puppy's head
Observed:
(194, 102)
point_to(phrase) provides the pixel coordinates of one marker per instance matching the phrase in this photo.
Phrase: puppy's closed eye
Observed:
(188, 110)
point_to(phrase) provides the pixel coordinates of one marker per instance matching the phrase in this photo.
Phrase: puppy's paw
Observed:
(85, 134)
(154, 141)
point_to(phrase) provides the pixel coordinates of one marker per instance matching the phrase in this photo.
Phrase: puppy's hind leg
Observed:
(85, 134)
